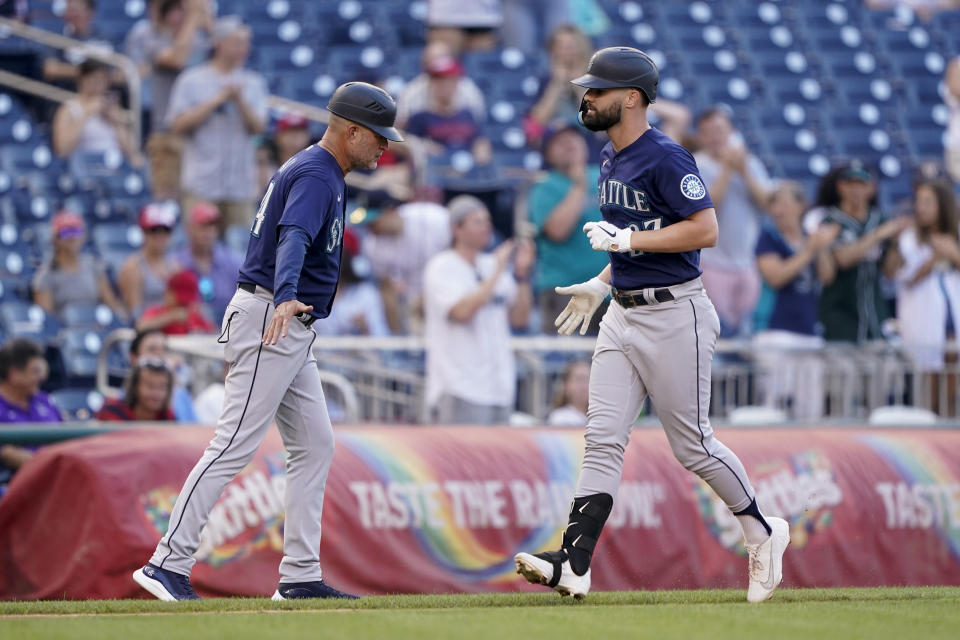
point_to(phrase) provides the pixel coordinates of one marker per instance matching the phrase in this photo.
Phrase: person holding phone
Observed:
(472, 300)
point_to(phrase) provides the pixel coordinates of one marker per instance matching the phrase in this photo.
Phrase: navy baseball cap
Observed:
(856, 170)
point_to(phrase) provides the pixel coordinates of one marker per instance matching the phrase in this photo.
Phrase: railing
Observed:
(207, 367)
(56, 94)
(839, 382)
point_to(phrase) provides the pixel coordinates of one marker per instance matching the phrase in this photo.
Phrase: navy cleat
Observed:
(165, 584)
(318, 589)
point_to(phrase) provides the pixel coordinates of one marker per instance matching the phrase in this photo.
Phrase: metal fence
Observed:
(381, 380)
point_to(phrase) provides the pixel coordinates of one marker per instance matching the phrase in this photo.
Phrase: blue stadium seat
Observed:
(28, 321)
(77, 403)
(98, 317)
(80, 348)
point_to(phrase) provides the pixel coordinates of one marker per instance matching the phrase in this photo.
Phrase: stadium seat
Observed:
(98, 317)
(80, 348)
(77, 404)
(28, 320)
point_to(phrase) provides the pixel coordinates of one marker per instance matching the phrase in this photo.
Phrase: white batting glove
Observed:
(586, 297)
(606, 237)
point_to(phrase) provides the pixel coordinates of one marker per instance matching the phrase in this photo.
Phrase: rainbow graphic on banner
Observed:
(917, 464)
(457, 549)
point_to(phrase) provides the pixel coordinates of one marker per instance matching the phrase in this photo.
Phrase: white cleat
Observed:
(766, 561)
(541, 571)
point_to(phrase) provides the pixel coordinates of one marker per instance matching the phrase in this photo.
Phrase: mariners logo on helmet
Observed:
(692, 187)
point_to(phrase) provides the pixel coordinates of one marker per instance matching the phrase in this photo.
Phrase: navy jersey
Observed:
(650, 184)
(306, 192)
(795, 306)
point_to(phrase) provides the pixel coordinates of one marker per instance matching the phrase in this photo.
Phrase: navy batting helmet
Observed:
(621, 67)
(367, 105)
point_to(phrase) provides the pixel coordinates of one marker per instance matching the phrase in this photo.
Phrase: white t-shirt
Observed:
(737, 216)
(426, 232)
(470, 360)
(567, 416)
(952, 140)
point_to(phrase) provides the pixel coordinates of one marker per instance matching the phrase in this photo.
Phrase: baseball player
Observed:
(658, 336)
(287, 281)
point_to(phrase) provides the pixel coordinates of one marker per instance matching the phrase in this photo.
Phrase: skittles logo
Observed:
(247, 519)
(801, 490)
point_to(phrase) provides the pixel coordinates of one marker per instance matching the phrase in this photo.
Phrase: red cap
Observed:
(204, 213)
(444, 67)
(291, 121)
(183, 286)
(156, 215)
(67, 221)
(351, 242)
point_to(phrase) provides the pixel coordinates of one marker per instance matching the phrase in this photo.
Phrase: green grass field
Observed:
(811, 614)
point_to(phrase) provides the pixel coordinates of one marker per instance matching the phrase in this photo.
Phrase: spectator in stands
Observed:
(22, 370)
(852, 306)
(62, 66)
(179, 40)
(453, 128)
(142, 279)
(72, 276)
(180, 312)
(14, 9)
(739, 186)
(464, 26)
(560, 204)
(219, 107)
(570, 404)
(529, 23)
(152, 345)
(951, 96)
(146, 395)
(358, 309)
(472, 301)
(925, 263)
(401, 238)
(415, 95)
(569, 51)
(93, 122)
(292, 136)
(789, 262)
(215, 265)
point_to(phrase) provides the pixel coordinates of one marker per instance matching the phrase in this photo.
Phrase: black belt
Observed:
(305, 318)
(629, 300)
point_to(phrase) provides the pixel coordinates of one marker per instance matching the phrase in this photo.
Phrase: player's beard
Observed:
(599, 120)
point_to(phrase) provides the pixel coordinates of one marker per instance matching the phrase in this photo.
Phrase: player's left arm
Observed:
(697, 231)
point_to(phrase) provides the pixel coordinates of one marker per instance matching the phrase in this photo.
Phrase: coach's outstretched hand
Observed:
(282, 315)
(586, 297)
(604, 236)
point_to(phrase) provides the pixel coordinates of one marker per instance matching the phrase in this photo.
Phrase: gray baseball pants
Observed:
(263, 382)
(663, 350)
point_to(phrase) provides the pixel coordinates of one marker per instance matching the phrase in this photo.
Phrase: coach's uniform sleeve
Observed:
(680, 185)
(307, 207)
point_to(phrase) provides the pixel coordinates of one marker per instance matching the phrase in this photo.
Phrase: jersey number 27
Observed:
(648, 225)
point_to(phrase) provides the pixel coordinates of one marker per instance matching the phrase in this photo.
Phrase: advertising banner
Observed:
(436, 510)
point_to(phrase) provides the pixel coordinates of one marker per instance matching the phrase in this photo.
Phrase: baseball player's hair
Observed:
(792, 187)
(827, 193)
(710, 112)
(166, 6)
(586, 47)
(17, 354)
(947, 215)
(138, 340)
(560, 398)
(130, 396)
(90, 66)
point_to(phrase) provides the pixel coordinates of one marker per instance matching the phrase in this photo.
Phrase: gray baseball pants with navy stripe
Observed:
(663, 350)
(263, 382)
